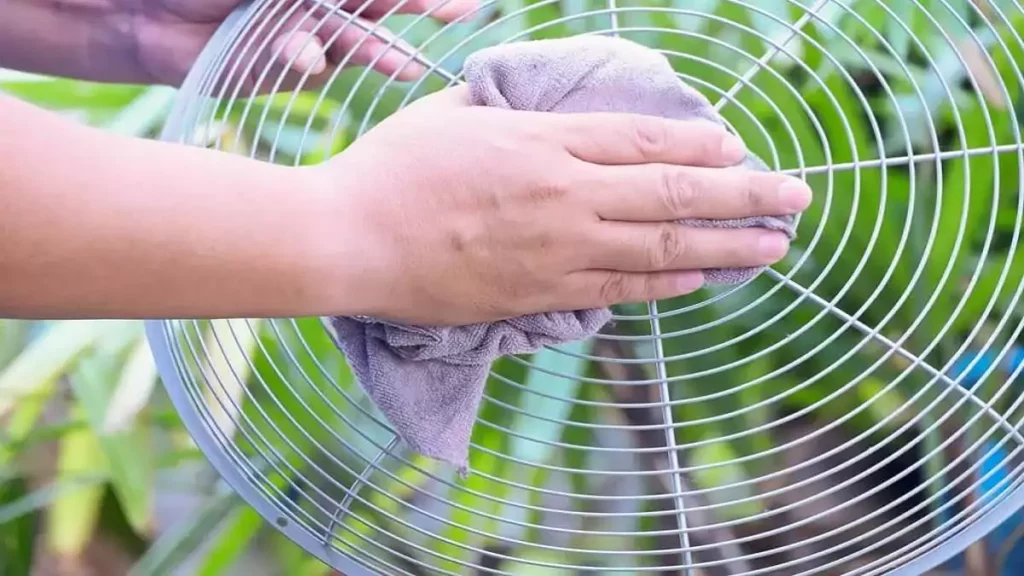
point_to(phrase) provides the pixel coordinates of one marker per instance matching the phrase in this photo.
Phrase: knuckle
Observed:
(649, 136)
(680, 192)
(549, 189)
(762, 192)
(711, 138)
(754, 196)
(616, 288)
(666, 248)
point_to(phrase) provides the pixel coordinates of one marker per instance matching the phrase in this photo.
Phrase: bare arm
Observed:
(407, 223)
(98, 225)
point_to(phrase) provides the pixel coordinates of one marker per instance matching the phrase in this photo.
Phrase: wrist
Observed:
(345, 269)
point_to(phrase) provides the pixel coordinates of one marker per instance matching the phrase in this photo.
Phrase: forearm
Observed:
(97, 225)
(81, 39)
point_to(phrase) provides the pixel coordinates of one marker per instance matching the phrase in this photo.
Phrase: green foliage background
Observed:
(927, 257)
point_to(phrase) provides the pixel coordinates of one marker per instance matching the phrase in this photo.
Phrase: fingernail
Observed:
(795, 195)
(733, 148)
(773, 245)
(689, 282)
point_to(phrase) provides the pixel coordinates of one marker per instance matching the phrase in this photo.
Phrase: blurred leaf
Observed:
(13, 334)
(540, 16)
(38, 434)
(474, 497)
(144, 113)
(387, 498)
(725, 471)
(295, 561)
(538, 562)
(21, 503)
(303, 390)
(72, 517)
(965, 214)
(17, 531)
(126, 454)
(243, 525)
(95, 103)
(45, 359)
(998, 267)
(899, 27)
(21, 425)
(183, 539)
(132, 392)
(228, 347)
(551, 386)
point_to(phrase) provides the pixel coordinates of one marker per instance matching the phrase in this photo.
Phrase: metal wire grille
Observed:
(834, 416)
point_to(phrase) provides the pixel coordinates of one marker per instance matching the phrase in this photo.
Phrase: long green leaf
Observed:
(185, 538)
(12, 338)
(145, 113)
(17, 533)
(242, 526)
(551, 387)
(73, 516)
(132, 392)
(46, 359)
(27, 503)
(129, 458)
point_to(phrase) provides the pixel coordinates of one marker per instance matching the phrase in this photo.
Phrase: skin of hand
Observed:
(539, 212)
(156, 41)
(534, 213)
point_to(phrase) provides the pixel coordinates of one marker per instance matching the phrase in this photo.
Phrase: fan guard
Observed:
(854, 410)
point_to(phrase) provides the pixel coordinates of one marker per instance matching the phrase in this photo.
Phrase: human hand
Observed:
(468, 214)
(166, 36)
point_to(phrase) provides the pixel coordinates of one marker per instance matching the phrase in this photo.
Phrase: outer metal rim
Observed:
(157, 336)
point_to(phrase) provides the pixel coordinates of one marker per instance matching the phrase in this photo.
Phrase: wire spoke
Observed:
(897, 349)
(343, 507)
(906, 160)
(774, 51)
(665, 398)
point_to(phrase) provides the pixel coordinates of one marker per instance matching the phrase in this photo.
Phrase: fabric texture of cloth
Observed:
(429, 381)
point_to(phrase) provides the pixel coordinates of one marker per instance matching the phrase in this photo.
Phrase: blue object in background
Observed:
(993, 463)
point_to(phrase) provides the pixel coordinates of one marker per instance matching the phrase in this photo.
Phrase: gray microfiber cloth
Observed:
(429, 381)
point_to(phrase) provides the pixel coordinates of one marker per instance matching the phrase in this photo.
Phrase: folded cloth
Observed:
(429, 381)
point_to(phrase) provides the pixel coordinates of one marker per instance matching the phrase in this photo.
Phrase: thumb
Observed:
(454, 97)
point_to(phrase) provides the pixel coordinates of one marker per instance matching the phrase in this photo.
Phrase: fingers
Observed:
(365, 43)
(632, 262)
(604, 138)
(302, 52)
(361, 42)
(661, 192)
(630, 247)
(349, 42)
(599, 288)
(457, 96)
(443, 10)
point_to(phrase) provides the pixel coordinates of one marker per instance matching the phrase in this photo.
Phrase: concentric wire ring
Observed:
(852, 411)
